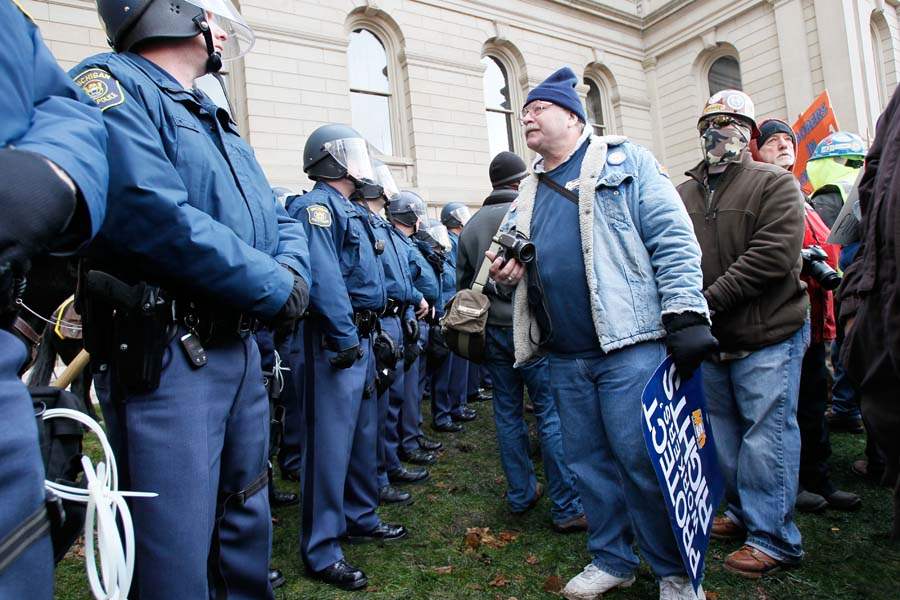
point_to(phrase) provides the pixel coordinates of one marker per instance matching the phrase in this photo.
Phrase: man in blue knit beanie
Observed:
(621, 276)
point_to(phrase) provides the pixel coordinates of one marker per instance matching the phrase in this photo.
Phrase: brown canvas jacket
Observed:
(750, 232)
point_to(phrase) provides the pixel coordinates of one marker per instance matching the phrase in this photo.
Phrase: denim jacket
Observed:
(641, 257)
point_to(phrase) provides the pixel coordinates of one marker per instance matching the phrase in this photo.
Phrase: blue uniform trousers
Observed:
(448, 388)
(389, 406)
(339, 481)
(292, 401)
(409, 427)
(424, 371)
(21, 479)
(197, 440)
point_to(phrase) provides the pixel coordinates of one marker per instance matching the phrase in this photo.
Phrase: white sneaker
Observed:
(592, 582)
(679, 588)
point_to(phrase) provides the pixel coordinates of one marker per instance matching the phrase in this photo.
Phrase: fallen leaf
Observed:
(531, 559)
(553, 584)
(835, 529)
(711, 595)
(431, 498)
(508, 536)
(473, 539)
(441, 485)
(499, 480)
(499, 581)
(443, 570)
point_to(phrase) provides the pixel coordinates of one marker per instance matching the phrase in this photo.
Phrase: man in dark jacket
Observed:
(748, 217)
(523, 490)
(870, 295)
(777, 145)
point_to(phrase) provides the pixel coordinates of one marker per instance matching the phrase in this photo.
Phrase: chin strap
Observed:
(214, 61)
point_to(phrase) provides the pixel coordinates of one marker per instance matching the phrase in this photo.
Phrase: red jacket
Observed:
(821, 301)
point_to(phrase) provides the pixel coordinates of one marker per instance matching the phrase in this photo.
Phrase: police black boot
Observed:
(343, 575)
(417, 457)
(429, 445)
(465, 414)
(385, 532)
(391, 495)
(448, 427)
(404, 475)
(276, 578)
(278, 498)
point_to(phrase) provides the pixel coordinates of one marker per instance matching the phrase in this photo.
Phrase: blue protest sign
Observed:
(680, 443)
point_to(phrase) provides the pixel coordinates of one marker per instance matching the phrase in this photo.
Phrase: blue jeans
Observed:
(599, 402)
(512, 432)
(752, 404)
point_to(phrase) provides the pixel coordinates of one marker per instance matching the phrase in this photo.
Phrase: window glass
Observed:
(724, 74)
(498, 106)
(370, 89)
(595, 107)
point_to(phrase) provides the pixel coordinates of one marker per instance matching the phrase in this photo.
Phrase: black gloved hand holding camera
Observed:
(689, 340)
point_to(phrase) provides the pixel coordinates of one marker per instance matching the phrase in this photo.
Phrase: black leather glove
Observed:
(689, 340)
(297, 300)
(411, 330)
(37, 205)
(344, 359)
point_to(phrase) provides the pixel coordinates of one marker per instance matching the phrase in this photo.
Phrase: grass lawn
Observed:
(848, 555)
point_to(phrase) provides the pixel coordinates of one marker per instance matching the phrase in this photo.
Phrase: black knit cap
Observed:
(507, 168)
(770, 127)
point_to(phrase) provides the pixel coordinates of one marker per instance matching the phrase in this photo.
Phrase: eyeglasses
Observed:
(535, 109)
(718, 122)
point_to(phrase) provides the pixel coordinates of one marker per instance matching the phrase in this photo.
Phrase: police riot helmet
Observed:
(407, 208)
(336, 151)
(455, 214)
(507, 168)
(840, 144)
(385, 179)
(438, 232)
(131, 22)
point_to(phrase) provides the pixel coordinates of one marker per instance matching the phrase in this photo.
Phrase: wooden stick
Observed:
(73, 370)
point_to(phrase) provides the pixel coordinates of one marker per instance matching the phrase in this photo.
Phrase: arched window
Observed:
(596, 107)
(370, 89)
(878, 58)
(724, 74)
(497, 105)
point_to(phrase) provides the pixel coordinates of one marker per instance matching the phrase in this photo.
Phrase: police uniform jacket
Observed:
(192, 208)
(44, 113)
(396, 262)
(425, 277)
(347, 275)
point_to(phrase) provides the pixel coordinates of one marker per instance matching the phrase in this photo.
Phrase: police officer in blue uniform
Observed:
(339, 472)
(399, 323)
(405, 212)
(449, 380)
(53, 176)
(193, 253)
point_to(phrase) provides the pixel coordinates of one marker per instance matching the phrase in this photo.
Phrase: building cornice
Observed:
(288, 35)
(689, 30)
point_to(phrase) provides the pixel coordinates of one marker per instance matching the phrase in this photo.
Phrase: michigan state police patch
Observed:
(101, 88)
(319, 215)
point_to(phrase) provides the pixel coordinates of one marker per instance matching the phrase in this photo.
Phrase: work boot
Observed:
(592, 582)
(725, 529)
(752, 563)
(809, 502)
(840, 500)
(573, 525)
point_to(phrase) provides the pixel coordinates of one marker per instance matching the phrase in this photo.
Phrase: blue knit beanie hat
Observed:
(559, 89)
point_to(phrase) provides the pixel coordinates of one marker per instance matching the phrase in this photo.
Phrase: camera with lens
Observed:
(515, 246)
(815, 264)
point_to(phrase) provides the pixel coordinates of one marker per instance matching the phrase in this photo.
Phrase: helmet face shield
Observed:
(439, 233)
(225, 15)
(461, 214)
(385, 179)
(353, 155)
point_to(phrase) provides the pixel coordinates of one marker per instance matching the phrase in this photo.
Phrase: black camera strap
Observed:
(562, 191)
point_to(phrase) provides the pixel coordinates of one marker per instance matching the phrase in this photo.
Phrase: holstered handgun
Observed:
(127, 326)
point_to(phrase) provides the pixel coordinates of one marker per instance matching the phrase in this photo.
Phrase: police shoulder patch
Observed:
(318, 215)
(100, 87)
